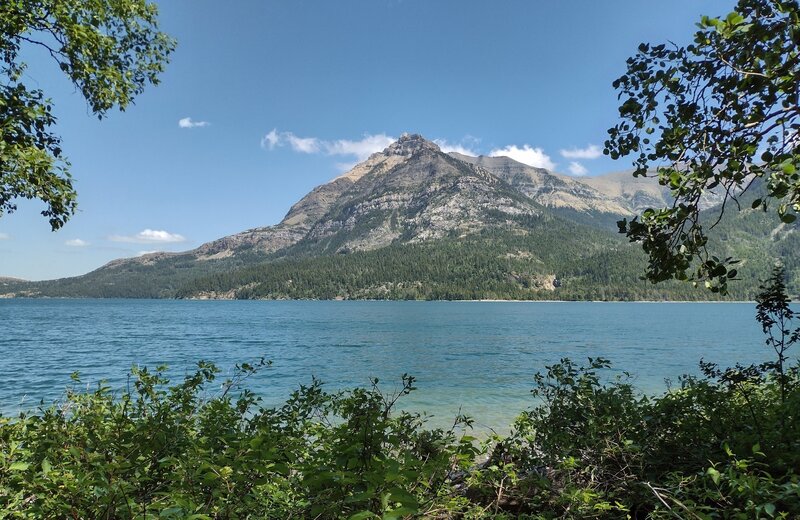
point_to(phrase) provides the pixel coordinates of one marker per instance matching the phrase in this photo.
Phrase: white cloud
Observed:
(76, 242)
(298, 144)
(360, 149)
(5, 236)
(187, 122)
(149, 236)
(590, 152)
(142, 253)
(303, 144)
(462, 148)
(271, 140)
(527, 155)
(577, 169)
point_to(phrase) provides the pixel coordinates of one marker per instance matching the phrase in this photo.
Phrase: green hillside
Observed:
(415, 223)
(586, 264)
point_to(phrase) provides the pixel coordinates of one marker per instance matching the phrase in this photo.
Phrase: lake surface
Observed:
(479, 356)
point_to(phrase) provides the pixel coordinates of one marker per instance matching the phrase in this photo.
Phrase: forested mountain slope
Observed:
(414, 222)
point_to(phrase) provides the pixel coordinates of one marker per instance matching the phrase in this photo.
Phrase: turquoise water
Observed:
(479, 356)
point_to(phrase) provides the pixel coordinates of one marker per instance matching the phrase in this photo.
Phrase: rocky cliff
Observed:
(410, 194)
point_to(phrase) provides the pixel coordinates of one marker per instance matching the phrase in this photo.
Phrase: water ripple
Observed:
(479, 356)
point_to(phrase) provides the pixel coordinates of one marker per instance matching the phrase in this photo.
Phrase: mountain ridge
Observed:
(411, 194)
(529, 180)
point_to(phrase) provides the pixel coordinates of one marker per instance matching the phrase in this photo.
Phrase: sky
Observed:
(264, 100)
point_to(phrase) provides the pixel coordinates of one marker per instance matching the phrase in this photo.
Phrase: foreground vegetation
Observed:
(723, 445)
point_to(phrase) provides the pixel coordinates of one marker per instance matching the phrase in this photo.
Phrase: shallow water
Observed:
(478, 356)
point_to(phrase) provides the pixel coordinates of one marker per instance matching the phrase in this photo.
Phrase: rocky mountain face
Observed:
(425, 196)
(550, 189)
(410, 193)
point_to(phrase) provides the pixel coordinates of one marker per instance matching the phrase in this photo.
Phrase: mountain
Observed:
(414, 222)
(549, 189)
(7, 283)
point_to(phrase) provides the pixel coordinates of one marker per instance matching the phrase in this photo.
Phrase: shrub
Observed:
(171, 452)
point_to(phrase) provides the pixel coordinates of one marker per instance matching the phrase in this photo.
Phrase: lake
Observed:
(480, 356)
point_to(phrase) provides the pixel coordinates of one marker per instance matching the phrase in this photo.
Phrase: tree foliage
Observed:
(110, 50)
(775, 316)
(720, 114)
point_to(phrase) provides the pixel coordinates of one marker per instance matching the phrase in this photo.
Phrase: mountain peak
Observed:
(409, 144)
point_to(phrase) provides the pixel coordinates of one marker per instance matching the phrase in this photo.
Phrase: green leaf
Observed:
(171, 511)
(362, 515)
(769, 508)
(400, 512)
(359, 497)
(714, 474)
(733, 18)
(404, 497)
(18, 466)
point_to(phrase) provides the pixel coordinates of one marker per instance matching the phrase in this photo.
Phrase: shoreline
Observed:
(338, 300)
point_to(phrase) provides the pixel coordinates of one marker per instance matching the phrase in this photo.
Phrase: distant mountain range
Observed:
(414, 222)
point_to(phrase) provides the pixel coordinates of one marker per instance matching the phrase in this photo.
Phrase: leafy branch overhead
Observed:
(720, 114)
(110, 49)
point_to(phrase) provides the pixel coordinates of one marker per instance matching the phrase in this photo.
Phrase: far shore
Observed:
(12, 297)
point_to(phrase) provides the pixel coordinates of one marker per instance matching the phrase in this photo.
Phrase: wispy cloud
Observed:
(76, 242)
(5, 236)
(361, 149)
(527, 155)
(187, 122)
(149, 236)
(298, 144)
(358, 149)
(465, 147)
(272, 139)
(142, 253)
(590, 152)
(577, 169)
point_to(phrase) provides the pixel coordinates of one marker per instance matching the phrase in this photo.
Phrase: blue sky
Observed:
(278, 97)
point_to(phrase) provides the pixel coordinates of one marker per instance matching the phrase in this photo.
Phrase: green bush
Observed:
(723, 445)
(169, 452)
